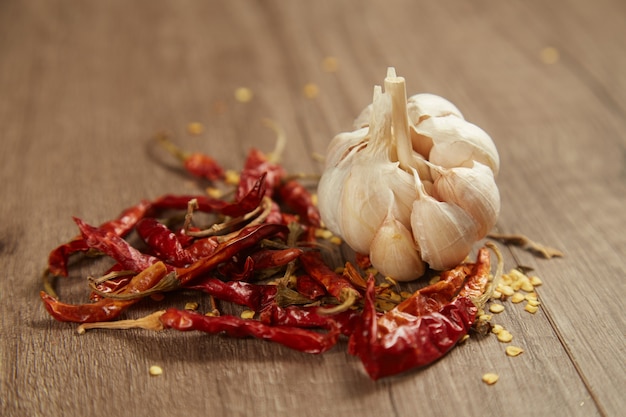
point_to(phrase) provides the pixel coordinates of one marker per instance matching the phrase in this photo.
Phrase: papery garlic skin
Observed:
(413, 184)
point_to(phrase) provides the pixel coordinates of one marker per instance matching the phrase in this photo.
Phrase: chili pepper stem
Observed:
(348, 298)
(168, 283)
(149, 322)
(169, 146)
(281, 140)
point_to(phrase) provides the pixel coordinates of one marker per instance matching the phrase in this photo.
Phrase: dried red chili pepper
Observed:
(196, 163)
(309, 287)
(422, 330)
(114, 246)
(310, 317)
(335, 284)
(245, 239)
(256, 165)
(163, 242)
(243, 204)
(253, 296)
(295, 338)
(299, 199)
(122, 225)
(105, 309)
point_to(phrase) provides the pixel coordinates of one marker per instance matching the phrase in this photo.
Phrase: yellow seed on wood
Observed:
(496, 308)
(496, 295)
(311, 90)
(191, 306)
(490, 378)
(323, 233)
(514, 350)
(155, 370)
(549, 55)
(536, 281)
(243, 94)
(195, 128)
(533, 302)
(506, 290)
(214, 192)
(247, 314)
(330, 64)
(464, 338)
(497, 328)
(485, 317)
(505, 336)
(531, 309)
(518, 297)
(527, 286)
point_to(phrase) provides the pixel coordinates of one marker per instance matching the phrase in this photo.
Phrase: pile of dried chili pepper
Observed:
(261, 252)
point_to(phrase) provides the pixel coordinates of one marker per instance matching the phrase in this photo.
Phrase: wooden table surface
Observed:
(84, 86)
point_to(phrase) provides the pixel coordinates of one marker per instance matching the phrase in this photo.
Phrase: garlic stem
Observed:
(396, 87)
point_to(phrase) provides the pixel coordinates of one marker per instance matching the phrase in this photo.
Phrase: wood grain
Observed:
(84, 86)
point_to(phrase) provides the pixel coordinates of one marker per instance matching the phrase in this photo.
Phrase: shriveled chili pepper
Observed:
(334, 283)
(253, 296)
(105, 309)
(309, 287)
(418, 332)
(309, 317)
(295, 338)
(244, 204)
(196, 163)
(114, 246)
(245, 239)
(256, 165)
(121, 226)
(163, 242)
(300, 200)
(202, 248)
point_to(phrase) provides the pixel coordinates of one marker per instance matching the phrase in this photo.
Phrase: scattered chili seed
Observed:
(506, 290)
(195, 128)
(155, 370)
(496, 308)
(247, 314)
(505, 336)
(518, 297)
(490, 378)
(497, 328)
(535, 280)
(549, 55)
(243, 94)
(191, 306)
(514, 350)
(531, 309)
(231, 177)
(310, 90)
(330, 64)
(335, 240)
(533, 302)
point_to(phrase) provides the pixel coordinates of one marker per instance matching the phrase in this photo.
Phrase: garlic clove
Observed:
(457, 142)
(474, 190)
(394, 253)
(424, 105)
(443, 232)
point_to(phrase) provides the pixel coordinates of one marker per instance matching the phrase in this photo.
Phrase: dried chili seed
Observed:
(155, 370)
(496, 308)
(514, 350)
(490, 378)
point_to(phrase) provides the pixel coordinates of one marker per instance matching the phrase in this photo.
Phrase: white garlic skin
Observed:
(410, 188)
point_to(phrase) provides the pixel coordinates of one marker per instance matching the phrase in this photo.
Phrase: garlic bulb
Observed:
(414, 183)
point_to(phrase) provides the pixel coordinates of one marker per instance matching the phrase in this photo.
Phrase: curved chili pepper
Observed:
(196, 163)
(253, 296)
(299, 199)
(122, 225)
(115, 247)
(309, 317)
(335, 284)
(417, 333)
(292, 337)
(309, 287)
(105, 309)
(247, 238)
(203, 166)
(163, 242)
(202, 248)
(243, 204)
(258, 164)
